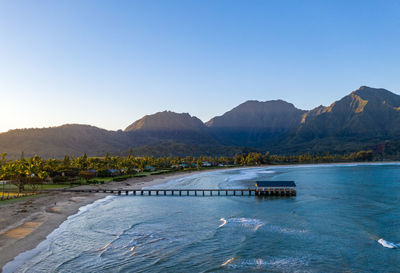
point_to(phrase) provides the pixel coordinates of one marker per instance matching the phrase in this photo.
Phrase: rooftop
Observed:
(271, 184)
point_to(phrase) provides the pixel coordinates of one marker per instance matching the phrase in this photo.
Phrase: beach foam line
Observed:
(23, 257)
(387, 244)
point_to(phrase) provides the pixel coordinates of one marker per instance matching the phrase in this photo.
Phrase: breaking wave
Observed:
(243, 222)
(266, 172)
(388, 244)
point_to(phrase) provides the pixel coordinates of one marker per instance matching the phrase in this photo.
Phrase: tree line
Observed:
(37, 170)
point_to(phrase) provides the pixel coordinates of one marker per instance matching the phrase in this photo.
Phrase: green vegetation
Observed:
(36, 173)
(20, 198)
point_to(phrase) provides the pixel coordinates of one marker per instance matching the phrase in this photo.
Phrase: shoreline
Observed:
(26, 223)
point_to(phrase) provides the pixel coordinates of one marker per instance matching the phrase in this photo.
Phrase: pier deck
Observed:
(195, 192)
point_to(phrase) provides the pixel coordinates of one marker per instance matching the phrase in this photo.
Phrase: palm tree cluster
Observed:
(36, 170)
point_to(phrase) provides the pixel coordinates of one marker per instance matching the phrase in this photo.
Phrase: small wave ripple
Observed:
(258, 263)
(243, 222)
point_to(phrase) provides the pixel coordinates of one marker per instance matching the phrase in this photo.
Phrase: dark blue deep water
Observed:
(332, 225)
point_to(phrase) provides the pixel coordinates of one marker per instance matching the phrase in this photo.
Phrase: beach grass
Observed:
(11, 187)
(20, 198)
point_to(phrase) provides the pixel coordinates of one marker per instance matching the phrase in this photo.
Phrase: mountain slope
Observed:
(167, 121)
(365, 116)
(170, 127)
(255, 123)
(70, 139)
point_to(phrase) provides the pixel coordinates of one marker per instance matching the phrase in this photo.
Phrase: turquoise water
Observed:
(333, 224)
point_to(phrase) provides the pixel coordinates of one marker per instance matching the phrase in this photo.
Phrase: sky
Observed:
(108, 63)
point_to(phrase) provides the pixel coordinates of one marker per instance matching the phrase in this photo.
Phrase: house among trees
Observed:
(114, 172)
(206, 164)
(149, 168)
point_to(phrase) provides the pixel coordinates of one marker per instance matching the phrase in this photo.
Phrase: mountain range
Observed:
(367, 118)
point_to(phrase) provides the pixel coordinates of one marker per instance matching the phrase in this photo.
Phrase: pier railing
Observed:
(194, 192)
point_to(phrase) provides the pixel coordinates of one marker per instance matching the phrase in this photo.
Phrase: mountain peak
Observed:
(167, 121)
(273, 114)
(376, 96)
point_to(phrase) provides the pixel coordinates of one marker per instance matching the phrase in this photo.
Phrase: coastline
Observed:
(27, 222)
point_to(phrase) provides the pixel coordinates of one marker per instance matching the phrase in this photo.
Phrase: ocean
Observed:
(345, 218)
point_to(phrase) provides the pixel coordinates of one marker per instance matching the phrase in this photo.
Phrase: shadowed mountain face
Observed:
(274, 116)
(170, 127)
(167, 121)
(255, 123)
(365, 118)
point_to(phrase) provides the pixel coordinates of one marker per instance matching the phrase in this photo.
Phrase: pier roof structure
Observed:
(275, 184)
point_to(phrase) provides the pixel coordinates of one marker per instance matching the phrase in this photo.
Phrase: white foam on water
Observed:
(15, 264)
(387, 244)
(268, 172)
(93, 205)
(285, 230)
(249, 263)
(258, 226)
(245, 174)
(259, 263)
(254, 224)
(227, 261)
(180, 181)
(223, 220)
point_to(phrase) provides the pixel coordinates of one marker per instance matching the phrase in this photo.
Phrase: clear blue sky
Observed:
(108, 63)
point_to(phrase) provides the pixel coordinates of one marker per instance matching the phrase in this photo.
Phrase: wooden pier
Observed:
(285, 191)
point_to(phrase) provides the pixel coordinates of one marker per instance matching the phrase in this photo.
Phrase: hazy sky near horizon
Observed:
(108, 63)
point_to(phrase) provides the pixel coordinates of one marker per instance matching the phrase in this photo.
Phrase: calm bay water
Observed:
(333, 224)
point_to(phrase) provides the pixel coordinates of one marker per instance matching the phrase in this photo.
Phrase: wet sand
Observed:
(25, 223)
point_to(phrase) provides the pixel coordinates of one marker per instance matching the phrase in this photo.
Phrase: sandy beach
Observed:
(25, 223)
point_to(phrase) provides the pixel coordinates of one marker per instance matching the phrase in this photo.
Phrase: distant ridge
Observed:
(367, 118)
(274, 115)
(255, 123)
(167, 121)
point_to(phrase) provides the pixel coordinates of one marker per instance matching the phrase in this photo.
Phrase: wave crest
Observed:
(388, 244)
(243, 222)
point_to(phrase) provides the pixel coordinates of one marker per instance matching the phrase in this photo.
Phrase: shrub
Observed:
(59, 179)
(119, 179)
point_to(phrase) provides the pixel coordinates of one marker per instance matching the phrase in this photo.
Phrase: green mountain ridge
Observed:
(367, 118)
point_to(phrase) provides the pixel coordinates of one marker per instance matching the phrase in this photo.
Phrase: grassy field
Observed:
(119, 178)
